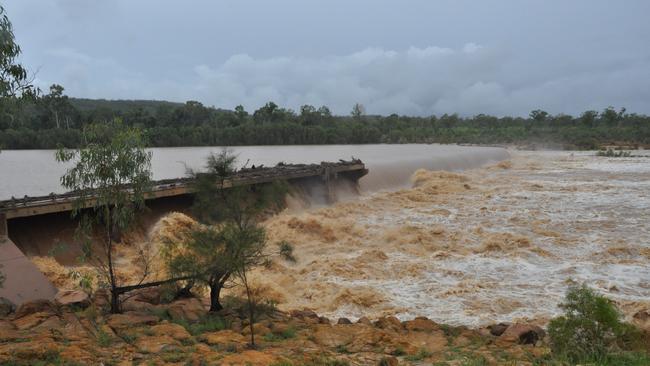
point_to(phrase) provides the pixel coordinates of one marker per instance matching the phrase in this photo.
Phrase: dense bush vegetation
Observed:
(51, 119)
(591, 332)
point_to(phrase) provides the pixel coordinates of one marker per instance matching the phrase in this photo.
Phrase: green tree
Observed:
(358, 111)
(241, 114)
(590, 329)
(14, 80)
(539, 115)
(111, 175)
(229, 240)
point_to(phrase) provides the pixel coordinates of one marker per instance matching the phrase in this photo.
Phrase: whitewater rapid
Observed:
(500, 243)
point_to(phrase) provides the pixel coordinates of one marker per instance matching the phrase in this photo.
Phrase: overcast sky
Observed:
(416, 57)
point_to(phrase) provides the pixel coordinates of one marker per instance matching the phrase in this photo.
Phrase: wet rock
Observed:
(72, 298)
(6, 307)
(131, 319)
(364, 320)
(323, 320)
(344, 321)
(642, 319)
(498, 329)
(522, 334)
(191, 309)
(421, 324)
(35, 306)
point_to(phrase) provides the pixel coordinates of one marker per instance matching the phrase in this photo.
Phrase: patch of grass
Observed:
(129, 338)
(173, 357)
(188, 342)
(282, 363)
(610, 153)
(280, 336)
(421, 355)
(162, 313)
(399, 351)
(104, 339)
(475, 360)
(210, 323)
(450, 333)
(620, 359)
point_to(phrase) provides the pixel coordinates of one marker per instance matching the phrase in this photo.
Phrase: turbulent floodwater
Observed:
(493, 244)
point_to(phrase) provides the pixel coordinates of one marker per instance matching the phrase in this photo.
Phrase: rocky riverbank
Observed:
(76, 330)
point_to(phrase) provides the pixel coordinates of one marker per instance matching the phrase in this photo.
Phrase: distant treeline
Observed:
(49, 120)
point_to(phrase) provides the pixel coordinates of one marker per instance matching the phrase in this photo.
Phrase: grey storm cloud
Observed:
(501, 57)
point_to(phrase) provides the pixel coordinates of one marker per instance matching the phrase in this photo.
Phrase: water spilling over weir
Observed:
(340, 244)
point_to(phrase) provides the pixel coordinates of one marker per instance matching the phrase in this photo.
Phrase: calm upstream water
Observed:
(36, 172)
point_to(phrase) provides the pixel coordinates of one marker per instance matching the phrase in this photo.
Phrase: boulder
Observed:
(6, 307)
(344, 321)
(642, 319)
(304, 314)
(389, 323)
(35, 306)
(498, 329)
(31, 320)
(72, 298)
(329, 336)
(421, 324)
(190, 309)
(522, 334)
(364, 320)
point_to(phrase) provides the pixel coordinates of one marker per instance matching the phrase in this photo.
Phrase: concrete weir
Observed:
(20, 218)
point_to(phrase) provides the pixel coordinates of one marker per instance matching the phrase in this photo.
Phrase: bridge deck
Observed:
(31, 206)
